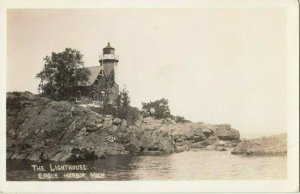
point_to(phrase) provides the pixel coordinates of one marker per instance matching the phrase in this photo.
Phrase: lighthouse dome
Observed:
(108, 49)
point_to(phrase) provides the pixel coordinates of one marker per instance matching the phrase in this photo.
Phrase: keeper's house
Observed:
(92, 91)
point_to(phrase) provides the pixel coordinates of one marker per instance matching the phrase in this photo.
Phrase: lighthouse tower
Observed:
(109, 61)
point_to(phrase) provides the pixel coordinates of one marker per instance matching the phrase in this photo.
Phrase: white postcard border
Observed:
(291, 184)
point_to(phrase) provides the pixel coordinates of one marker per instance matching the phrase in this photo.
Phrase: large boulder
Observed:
(49, 153)
(34, 156)
(272, 145)
(117, 121)
(166, 146)
(198, 145)
(226, 134)
(182, 148)
(132, 148)
(100, 153)
(19, 156)
(108, 122)
(65, 155)
(150, 124)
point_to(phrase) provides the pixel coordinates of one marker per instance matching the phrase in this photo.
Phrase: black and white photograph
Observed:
(132, 94)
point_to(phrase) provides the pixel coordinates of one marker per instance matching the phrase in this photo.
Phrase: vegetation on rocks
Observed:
(41, 129)
(122, 109)
(62, 71)
(159, 108)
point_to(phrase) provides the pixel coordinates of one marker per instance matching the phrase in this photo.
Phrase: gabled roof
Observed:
(95, 70)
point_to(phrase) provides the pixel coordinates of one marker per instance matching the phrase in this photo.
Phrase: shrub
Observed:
(133, 115)
(159, 108)
(180, 119)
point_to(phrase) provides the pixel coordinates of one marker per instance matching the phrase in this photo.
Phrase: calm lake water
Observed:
(191, 165)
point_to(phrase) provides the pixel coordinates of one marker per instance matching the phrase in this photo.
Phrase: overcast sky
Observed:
(213, 65)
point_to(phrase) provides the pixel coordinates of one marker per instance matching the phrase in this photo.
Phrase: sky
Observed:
(213, 65)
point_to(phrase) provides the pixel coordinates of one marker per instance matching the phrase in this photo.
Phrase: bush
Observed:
(180, 119)
(159, 108)
(133, 115)
(122, 109)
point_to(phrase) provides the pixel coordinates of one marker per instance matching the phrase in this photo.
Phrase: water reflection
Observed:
(115, 167)
(153, 167)
(199, 165)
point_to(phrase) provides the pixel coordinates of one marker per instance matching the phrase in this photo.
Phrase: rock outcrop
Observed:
(42, 129)
(265, 146)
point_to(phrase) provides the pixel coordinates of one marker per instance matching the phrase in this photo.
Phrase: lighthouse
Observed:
(93, 90)
(109, 62)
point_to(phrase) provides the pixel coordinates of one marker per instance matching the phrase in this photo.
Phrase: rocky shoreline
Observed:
(39, 129)
(275, 145)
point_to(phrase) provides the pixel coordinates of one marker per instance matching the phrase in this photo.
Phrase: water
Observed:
(191, 165)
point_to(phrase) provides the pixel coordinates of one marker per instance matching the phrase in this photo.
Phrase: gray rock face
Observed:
(41, 129)
(132, 148)
(223, 126)
(272, 145)
(227, 134)
(49, 153)
(19, 156)
(34, 156)
(117, 121)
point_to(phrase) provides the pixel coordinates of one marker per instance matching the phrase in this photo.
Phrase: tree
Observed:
(62, 73)
(105, 83)
(123, 104)
(124, 109)
(159, 108)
